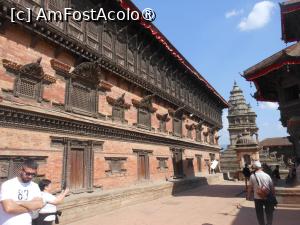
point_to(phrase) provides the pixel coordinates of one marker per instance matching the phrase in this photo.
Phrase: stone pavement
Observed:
(220, 204)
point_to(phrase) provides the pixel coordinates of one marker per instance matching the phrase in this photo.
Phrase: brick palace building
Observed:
(101, 105)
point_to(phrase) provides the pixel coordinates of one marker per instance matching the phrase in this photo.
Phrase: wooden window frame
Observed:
(93, 98)
(38, 89)
(111, 160)
(177, 120)
(162, 163)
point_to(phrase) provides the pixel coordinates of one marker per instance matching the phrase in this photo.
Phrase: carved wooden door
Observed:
(177, 164)
(143, 166)
(77, 168)
(199, 163)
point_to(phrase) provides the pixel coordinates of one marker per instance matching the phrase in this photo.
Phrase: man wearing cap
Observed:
(258, 179)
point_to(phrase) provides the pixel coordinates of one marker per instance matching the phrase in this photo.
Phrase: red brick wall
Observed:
(15, 46)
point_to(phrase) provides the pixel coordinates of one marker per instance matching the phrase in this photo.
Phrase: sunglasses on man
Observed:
(29, 174)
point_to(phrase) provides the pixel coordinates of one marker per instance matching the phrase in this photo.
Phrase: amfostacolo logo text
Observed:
(78, 16)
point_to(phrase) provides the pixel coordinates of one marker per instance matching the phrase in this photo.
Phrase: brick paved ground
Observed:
(221, 204)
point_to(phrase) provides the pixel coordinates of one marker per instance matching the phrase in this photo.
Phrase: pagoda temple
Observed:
(243, 148)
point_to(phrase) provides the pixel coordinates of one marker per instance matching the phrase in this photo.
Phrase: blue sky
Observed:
(222, 39)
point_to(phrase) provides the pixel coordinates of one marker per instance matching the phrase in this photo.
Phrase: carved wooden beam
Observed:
(32, 69)
(179, 112)
(163, 117)
(60, 67)
(190, 127)
(145, 103)
(11, 66)
(119, 102)
(105, 86)
(89, 71)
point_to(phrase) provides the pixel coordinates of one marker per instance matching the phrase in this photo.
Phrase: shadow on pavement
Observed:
(215, 190)
(247, 216)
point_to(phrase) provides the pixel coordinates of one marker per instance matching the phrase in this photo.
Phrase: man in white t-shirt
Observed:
(258, 179)
(20, 197)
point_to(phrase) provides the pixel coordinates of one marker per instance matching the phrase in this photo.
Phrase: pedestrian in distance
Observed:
(276, 174)
(261, 184)
(247, 174)
(20, 197)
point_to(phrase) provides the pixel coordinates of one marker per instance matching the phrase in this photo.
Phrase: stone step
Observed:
(294, 206)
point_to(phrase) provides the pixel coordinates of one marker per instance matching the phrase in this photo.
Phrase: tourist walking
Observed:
(20, 197)
(261, 184)
(247, 174)
(49, 212)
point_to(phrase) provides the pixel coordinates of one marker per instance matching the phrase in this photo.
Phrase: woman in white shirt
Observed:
(48, 213)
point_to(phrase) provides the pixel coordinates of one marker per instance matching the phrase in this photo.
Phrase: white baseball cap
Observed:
(256, 164)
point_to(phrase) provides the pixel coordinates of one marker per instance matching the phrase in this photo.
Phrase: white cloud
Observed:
(259, 17)
(233, 13)
(268, 105)
(224, 139)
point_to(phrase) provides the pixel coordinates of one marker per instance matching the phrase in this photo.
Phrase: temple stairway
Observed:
(229, 164)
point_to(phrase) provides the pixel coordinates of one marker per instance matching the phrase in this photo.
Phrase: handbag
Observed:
(272, 199)
(262, 191)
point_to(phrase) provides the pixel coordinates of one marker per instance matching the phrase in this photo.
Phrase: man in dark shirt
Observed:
(247, 174)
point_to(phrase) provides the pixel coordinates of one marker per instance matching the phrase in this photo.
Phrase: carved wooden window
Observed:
(189, 133)
(151, 74)
(81, 98)
(28, 87)
(211, 138)
(92, 33)
(177, 88)
(107, 44)
(143, 68)
(177, 127)
(162, 126)
(10, 166)
(198, 135)
(168, 83)
(173, 87)
(181, 92)
(56, 5)
(118, 113)
(190, 163)
(159, 78)
(144, 118)
(120, 52)
(162, 163)
(76, 28)
(116, 164)
(199, 163)
(190, 97)
(130, 60)
(186, 94)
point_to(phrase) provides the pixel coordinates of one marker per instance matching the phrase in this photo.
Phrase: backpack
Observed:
(262, 191)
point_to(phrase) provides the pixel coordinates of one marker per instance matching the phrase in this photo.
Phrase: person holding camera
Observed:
(49, 212)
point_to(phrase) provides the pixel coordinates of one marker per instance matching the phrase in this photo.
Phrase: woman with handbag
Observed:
(261, 184)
